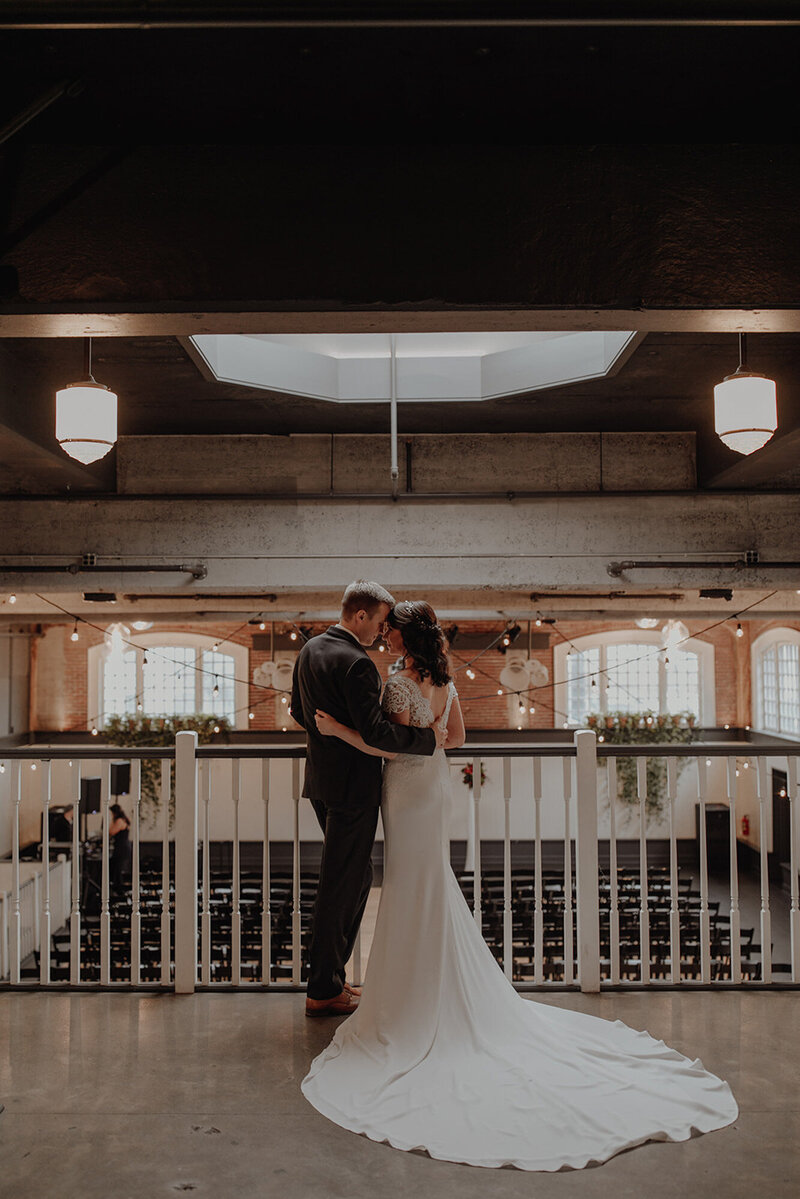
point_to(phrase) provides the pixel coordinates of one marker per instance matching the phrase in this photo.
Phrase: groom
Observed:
(334, 672)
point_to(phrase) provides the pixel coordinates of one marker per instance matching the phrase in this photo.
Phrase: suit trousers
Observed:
(345, 877)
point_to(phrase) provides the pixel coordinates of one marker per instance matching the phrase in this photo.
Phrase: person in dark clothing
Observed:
(120, 866)
(334, 673)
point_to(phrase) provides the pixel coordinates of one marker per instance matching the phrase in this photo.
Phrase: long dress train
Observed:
(442, 1054)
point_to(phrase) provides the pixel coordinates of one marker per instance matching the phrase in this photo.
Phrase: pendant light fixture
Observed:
(745, 408)
(86, 415)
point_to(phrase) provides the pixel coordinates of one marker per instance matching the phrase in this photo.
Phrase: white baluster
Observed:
(266, 884)
(736, 936)
(705, 922)
(766, 917)
(105, 910)
(205, 919)
(586, 861)
(477, 766)
(508, 927)
(569, 937)
(296, 925)
(166, 941)
(16, 920)
(357, 958)
(136, 894)
(45, 929)
(644, 885)
(185, 862)
(674, 910)
(75, 910)
(794, 864)
(538, 911)
(613, 902)
(236, 914)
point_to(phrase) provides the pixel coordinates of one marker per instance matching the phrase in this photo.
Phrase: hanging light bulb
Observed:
(739, 631)
(262, 626)
(470, 673)
(293, 636)
(74, 633)
(745, 407)
(86, 415)
(216, 686)
(12, 599)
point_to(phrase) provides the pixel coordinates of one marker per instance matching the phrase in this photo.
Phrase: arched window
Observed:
(169, 674)
(775, 668)
(624, 671)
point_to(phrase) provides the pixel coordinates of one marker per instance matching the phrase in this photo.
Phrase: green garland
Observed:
(160, 731)
(644, 728)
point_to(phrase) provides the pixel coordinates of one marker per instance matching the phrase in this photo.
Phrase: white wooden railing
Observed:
(179, 907)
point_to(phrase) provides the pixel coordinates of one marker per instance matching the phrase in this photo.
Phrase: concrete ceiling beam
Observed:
(542, 543)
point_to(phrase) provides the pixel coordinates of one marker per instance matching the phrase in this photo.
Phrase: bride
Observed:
(442, 1054)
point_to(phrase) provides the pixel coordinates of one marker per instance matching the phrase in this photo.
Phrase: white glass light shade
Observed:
(745, 411)
(86, 420)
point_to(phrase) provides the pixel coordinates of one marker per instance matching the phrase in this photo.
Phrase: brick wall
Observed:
(59, 672)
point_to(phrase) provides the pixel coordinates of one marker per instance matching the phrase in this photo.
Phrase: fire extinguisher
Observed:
(745, 826)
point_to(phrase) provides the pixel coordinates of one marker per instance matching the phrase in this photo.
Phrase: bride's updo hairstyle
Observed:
(423, 639)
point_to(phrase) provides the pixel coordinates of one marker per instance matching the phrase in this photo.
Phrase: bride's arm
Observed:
(332, 728)
(456, 733)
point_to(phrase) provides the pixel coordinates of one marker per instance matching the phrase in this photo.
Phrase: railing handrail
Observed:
(691, 749)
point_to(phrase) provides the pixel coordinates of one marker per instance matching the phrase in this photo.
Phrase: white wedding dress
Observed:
(443, 1055)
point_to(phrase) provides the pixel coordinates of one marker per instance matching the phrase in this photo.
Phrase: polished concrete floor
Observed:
(120, 1096)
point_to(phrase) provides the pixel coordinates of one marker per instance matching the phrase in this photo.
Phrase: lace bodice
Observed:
(402, 692)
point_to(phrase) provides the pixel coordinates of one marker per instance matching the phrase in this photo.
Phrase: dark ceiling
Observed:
(545, 85)
(77, 101)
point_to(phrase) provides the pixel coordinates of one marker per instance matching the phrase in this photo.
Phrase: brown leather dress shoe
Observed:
(343, 1004)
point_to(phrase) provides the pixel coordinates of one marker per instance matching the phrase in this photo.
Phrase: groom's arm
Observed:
(362, 693)
(296, 704)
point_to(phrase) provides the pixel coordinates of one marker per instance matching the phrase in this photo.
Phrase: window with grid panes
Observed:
(631, 677)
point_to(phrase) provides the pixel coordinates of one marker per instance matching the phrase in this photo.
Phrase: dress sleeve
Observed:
(396, 696)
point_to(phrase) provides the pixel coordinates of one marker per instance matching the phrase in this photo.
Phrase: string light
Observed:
(216, 686)
(293, 636)
(470, 673)
(94, 732)
(74, 634)
(739, 631)
(262, 626)
(251, 716)
(216, 728)
(539, 619)
(499, 690)
(12, 599)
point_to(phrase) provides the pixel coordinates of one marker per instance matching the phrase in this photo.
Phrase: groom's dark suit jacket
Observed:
(333, 672)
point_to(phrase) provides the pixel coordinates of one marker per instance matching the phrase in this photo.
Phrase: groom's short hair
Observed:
(365, 595)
